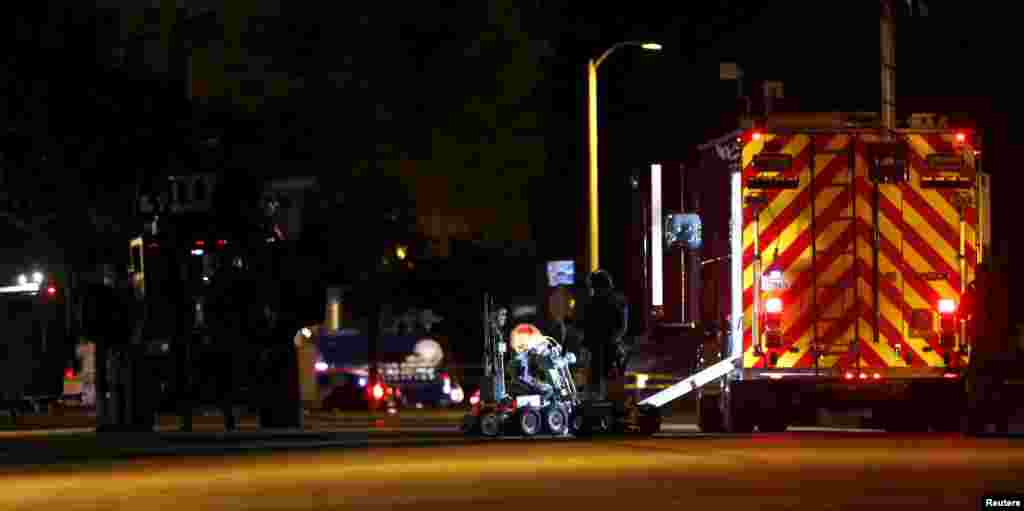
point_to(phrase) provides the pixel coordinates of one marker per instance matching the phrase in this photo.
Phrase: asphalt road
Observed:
(682, 470)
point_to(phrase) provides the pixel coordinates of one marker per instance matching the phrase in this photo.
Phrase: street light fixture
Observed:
(592, 66)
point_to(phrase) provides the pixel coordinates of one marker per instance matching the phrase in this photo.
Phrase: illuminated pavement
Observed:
(804, 470)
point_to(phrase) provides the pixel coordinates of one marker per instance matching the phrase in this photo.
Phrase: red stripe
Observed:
(836, 330)
(845, 360)
(951, 234)
(800, 162)
(799, 159)
(934, 219)
(790, 254)
(871, 357)
(930, 296)
(887, 328)
(804, 323)
(896, 296)
(910, 236)
(788, 214)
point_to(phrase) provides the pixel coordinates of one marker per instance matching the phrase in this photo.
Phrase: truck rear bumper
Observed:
(835, 394)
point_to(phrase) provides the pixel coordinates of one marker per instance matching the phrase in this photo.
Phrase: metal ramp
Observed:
(692, 383)
(844, 257)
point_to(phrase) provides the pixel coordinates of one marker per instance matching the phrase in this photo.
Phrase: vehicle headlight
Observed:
(456, 394)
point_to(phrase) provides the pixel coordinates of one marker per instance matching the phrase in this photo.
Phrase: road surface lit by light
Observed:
(803, 470)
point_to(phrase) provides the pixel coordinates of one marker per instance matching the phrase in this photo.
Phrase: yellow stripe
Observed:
(795, 146)
(945, 210)
(914, 301)
(802, 263)
(799, 306)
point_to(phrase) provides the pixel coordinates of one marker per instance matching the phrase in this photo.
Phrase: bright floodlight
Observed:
(22, 280)
(651, 46)
(37, 277)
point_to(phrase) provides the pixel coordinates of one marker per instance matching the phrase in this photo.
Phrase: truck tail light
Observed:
(773, 314)
(947, 306)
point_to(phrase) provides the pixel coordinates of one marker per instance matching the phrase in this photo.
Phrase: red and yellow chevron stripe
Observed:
(920, 233)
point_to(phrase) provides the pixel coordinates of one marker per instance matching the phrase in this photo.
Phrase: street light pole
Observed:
(593, 261)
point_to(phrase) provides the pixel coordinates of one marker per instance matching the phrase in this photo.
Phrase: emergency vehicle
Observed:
(34, 351)
(848, 250)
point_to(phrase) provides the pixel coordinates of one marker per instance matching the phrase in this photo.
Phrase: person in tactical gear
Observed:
(605, 323)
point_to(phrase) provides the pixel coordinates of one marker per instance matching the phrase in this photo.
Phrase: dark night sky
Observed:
(652, 107)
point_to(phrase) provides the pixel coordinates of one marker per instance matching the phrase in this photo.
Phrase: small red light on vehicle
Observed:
(378, 391)
(200, 243)
(51, 290)
(773, 305)
(755, 135)
(876, 376)
(69, 373)
(961, 136)
(863, 376)
(848, 375)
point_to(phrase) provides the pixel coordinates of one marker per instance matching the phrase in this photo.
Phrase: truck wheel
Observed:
(741, 417)
(649, 424)
(490, 425)
(903, 420)
(529, 422)
(742, 422)
(773, 422)
(556, 421)
(709, 415)
(946, 422)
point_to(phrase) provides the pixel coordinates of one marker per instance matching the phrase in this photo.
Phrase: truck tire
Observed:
(740, 417)
(772, 422)
(648, 424)
(901, 418)
(709, 415)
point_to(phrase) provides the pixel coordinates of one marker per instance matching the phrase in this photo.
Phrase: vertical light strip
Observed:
(736, 262)
(657, 277)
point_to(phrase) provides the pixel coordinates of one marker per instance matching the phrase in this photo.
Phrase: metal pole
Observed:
(593, 245)
(888, 68)
(755, 338)
(888, 71)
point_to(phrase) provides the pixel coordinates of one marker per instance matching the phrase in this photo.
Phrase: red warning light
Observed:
(961, 137)
(69, 374)
(755, 135)
(221, 243)
(200, 243)
(51, 290)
